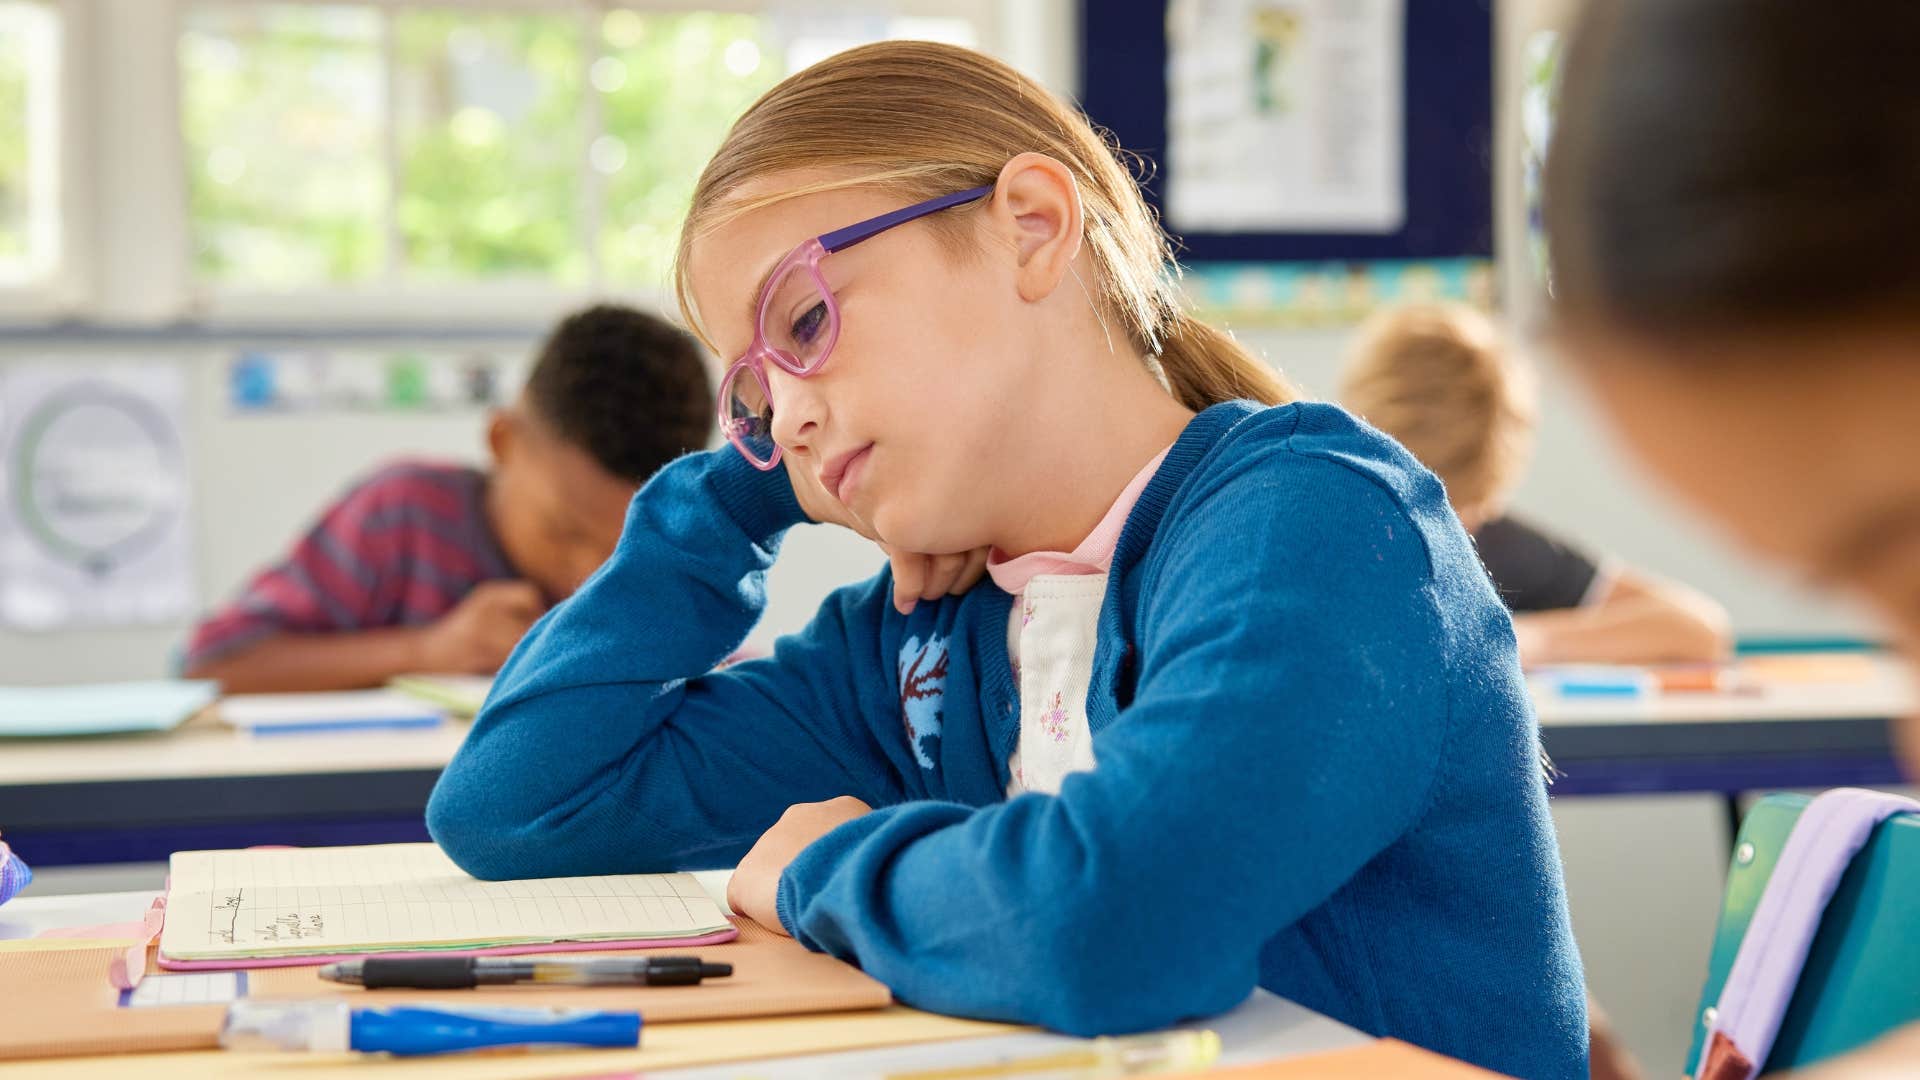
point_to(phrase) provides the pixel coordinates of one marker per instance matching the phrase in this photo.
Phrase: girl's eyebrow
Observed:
(753, 298)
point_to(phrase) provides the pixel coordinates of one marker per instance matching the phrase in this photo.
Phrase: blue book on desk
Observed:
(101, 708)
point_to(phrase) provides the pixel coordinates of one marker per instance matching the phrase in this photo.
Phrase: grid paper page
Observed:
(229, 904)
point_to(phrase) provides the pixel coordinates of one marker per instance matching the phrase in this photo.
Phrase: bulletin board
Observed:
(1448, 154)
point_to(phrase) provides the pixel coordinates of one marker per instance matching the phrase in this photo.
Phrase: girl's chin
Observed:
(924, 527)
(901, 535)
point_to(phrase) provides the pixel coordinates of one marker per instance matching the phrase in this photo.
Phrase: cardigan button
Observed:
(1744, 854)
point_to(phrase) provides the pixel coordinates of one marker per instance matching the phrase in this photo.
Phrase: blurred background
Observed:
(323, 234)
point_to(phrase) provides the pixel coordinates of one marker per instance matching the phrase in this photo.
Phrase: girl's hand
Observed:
(754, 889)
(916, 577)
(930, 577)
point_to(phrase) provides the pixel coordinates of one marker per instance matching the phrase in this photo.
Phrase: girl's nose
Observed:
(798, 409)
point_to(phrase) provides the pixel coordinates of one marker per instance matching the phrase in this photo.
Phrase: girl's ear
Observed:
(1036, 206)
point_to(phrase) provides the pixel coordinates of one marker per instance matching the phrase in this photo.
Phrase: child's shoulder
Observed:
(1312, 449)
(407, 495)
(442, 485)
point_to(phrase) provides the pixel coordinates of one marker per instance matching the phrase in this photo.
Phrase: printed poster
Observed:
(94, 496)
(1286, 116)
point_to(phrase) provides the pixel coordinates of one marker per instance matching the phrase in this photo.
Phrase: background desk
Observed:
(139, 798)
(71, 801)
(1786, 735)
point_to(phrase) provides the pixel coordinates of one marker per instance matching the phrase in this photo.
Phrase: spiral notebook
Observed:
(294, 905)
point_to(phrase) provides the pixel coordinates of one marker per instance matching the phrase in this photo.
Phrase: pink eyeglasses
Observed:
(805, 322)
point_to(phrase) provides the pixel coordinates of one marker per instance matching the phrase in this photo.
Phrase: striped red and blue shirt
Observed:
(401, 548)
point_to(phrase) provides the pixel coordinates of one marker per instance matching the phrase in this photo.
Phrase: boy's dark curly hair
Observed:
(627, 387)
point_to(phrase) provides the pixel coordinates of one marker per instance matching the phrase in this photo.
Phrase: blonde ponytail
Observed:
(1205, 366)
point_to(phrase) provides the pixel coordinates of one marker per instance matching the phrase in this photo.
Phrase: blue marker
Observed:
(335, 1026)
(1601, 681)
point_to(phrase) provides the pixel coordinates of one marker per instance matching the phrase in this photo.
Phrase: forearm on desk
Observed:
(348, 660)
(1638, 620)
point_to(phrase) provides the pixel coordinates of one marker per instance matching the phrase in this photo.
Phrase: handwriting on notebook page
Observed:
(401, 895)
(229, 910)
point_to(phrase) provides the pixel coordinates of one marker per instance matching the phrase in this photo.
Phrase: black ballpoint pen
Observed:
(464, 972)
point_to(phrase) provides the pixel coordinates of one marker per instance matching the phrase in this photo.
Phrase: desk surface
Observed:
(1261, 1028)
(205, 747)
(1884, 688)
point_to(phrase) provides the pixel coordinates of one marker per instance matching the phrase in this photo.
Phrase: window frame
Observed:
(62, 291)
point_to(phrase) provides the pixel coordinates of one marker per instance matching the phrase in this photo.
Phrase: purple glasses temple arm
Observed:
(866, 230)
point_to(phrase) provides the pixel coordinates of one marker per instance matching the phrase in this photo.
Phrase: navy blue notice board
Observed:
(1449, 136)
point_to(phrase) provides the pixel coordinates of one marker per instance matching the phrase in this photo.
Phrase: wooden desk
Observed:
(1262, 1028)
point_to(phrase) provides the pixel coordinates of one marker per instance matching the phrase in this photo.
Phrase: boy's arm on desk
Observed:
(1636, 620)
(340, 661)
(473, 638)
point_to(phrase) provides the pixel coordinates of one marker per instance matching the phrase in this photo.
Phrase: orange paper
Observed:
(1387, 1057)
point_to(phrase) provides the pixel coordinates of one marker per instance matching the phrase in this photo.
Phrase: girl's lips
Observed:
(851, 473)
(833, 475)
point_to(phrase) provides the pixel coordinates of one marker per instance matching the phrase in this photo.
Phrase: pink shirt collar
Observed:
(1095, 553)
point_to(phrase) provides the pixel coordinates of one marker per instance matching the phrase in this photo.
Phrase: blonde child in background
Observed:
(1441, 380)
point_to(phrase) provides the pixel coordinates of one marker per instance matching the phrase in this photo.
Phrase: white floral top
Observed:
(1050, 639)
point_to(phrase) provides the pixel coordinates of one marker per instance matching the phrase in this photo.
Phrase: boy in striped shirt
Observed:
(430, 567)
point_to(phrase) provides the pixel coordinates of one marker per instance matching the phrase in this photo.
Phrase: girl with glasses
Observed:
(1237, 707)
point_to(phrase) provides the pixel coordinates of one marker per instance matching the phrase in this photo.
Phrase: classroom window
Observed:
(355, 144)
(29, 147)
(489, 109)
(655, 140)
(282, 111)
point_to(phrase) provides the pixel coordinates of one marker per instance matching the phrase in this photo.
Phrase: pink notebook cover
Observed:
(128, 970)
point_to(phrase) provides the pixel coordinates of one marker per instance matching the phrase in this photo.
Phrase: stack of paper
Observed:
(101, 709)
(280, 714)
(459, 695)
(262, 903)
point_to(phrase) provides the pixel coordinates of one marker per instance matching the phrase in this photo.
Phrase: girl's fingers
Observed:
(974, 569)
(941, 574)
(930, 577)
(909, 577)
